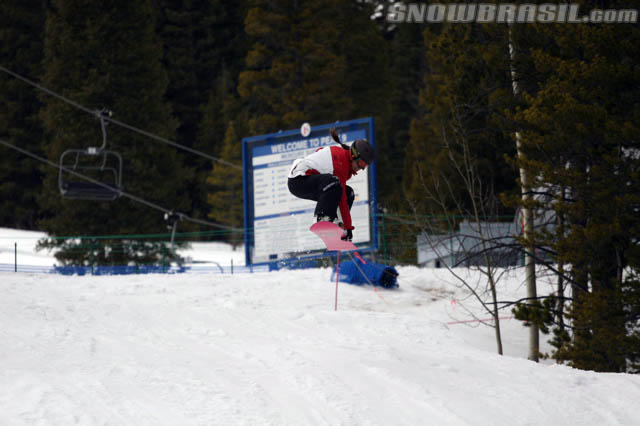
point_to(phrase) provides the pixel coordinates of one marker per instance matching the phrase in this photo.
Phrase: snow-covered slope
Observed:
(21, 244)
(267, 348)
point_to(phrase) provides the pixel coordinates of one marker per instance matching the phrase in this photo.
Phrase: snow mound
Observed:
(267, 348)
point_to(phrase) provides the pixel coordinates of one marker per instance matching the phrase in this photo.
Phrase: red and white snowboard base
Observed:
(331, 233)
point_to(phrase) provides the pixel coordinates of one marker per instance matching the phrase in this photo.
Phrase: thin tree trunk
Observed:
(529, 261)
(496, 318)
(560, 288)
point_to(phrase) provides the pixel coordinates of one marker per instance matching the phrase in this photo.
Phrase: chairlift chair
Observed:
(104, 167)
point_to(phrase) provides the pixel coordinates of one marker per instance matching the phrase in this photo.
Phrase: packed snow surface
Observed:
(268, 348)
(18, 245)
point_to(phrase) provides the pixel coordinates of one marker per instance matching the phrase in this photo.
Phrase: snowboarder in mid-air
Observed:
(322, 177)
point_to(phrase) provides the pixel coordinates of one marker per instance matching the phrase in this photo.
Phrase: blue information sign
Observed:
(277, 223)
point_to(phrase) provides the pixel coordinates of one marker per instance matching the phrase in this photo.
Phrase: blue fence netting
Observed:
(10, 267)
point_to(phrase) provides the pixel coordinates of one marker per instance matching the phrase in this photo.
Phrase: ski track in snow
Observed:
(267, 348)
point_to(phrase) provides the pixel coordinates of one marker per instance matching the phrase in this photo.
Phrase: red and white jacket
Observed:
(329, 159)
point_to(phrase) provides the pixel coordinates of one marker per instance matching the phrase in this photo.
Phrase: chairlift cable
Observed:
(117, 122)
(122, 193)
(169, 142)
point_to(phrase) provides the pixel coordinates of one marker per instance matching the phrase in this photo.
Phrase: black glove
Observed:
(348, 235)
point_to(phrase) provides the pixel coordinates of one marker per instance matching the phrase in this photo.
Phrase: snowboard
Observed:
(330, 233)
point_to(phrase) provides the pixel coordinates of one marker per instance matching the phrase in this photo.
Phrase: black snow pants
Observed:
(325, 189)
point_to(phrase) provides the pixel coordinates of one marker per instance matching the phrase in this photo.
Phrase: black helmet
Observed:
(361, 149)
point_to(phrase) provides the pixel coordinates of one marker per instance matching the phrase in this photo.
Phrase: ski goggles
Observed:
(361, 163)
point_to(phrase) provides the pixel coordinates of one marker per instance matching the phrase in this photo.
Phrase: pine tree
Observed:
(21, 44)
(107, 56)
(203, 44)
(455, 159)
(225, 186)
(294, 71)
(175, 26)
(407, 70)
(579, 130)
(203, 49)
(369, 80)
(314, 61)
(466, 86)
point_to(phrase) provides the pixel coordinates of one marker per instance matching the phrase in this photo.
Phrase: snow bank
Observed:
(198, 253)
